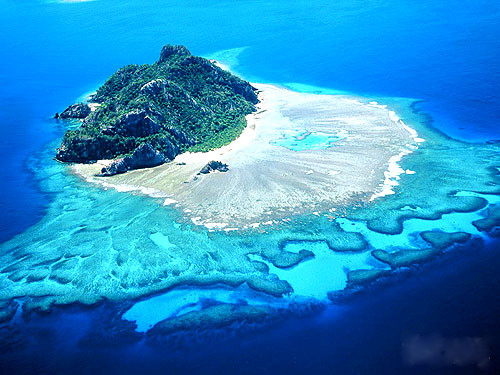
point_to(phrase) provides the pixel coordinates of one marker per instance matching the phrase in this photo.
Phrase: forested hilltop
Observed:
(147, 114)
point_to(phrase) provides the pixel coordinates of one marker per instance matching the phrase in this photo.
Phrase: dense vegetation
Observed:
(181, 102)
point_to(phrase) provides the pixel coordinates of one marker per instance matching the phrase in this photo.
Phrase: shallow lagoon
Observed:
(304, 140)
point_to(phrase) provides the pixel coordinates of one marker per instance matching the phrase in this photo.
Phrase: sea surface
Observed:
(445, 54)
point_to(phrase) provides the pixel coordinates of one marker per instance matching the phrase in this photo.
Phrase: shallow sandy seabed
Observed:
(94, 244)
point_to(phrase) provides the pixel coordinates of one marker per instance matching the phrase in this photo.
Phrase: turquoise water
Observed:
(80, 243)
(305, 140)
(325, 272)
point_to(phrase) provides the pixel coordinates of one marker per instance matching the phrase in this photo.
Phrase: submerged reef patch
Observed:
(408, 257)
(214, 317)
(491, 221)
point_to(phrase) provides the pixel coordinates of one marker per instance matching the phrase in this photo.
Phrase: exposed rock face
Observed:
(181, 137)
(76, 111)
(83, 150)
(133, 124)
(246, 90)
(154, 87)
(116, 167)
(144, 156)
(213, 166)
(169, 50)
(169, 149)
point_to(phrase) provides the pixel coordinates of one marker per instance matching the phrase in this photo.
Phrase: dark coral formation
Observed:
(218, 316)
(408, 257)
(490, 222)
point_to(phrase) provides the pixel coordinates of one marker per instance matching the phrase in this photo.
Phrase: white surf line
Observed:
(169, 201)
(394, 170)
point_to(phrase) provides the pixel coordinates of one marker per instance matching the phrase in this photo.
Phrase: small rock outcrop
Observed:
(154, 87)
(144, 156)
(213, 166)
(76, 111)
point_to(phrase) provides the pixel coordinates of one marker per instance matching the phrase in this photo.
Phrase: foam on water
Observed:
(93, 244)
(127, 247)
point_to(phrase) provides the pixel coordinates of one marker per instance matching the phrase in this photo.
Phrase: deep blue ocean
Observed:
(445, 53)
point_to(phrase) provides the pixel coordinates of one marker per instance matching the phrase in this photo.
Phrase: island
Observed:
(231, 155)
(145, 115)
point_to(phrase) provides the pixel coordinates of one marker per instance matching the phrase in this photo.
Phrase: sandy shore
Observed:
(268, 182)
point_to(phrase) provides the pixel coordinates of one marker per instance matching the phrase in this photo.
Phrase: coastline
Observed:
(362, 167)
(394, 171)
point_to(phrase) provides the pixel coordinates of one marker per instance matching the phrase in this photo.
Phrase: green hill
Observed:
(181, 102)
